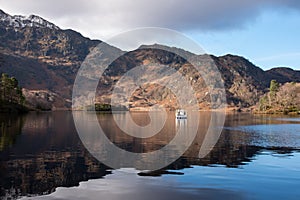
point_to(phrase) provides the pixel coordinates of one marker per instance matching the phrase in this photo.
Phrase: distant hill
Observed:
(45, 59)
(284, 74)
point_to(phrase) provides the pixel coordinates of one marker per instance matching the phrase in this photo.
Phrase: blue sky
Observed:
(264, 31)
(272, 40)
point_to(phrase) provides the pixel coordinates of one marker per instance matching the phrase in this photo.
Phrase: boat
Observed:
(181, 114)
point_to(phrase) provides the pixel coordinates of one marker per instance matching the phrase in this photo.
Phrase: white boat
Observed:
(181, 114)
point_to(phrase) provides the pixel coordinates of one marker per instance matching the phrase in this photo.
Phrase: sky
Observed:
(266, 32)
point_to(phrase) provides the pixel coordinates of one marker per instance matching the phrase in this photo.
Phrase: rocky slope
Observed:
(244, 82)
(40, 54)
(45, 59)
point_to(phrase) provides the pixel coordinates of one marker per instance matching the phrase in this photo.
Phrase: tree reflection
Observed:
(10, 128)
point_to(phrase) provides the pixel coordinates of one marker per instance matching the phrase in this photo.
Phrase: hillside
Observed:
(40, 54)
(45, 59)
(281, 99)
(283, 75)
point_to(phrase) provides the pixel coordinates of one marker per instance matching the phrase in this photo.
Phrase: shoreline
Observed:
(227, 110)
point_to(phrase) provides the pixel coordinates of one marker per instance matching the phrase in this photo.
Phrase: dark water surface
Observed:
(256, 157)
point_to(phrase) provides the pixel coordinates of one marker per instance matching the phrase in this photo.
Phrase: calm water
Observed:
(256, 157)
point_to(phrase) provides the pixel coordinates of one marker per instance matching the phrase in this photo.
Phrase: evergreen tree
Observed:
(10, 92)
(274, 87)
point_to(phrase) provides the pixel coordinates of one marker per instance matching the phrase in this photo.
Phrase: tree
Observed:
(10, 91)
(281, 98)
(4, 84)
(263, 104)
(21, 97)
(14, 82)
(274, 87)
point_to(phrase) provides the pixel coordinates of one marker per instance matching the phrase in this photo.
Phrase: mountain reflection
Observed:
(42, 151)
(45, 153)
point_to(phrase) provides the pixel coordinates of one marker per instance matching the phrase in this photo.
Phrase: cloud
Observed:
(96, 18)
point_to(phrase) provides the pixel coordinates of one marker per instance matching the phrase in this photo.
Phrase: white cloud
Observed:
(101, 19)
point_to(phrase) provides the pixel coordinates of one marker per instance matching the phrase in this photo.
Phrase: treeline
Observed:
(106, 107)
(10, 91)
(281, 99)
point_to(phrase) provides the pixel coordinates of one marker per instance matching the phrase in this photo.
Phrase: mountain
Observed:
(41, 55)
(284, 74)
(45, 59)
(19, 21)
